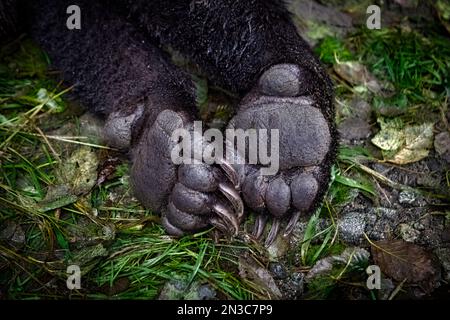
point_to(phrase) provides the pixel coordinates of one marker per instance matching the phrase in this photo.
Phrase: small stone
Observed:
(380, 221)
(418, 226)
(293, 286)
(298, 281)
(278, 270)
(206, 292)
(278, 248)
(407, 197)
(177, 289)
(354, 129)
(408, 233)
(14, 233)
(386, 213)
(442, 143)
(361, 108)
(352, 227)
(172, 290)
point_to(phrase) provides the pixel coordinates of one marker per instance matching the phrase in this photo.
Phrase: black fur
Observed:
(233, 41)
(111, 65)
(9, 25)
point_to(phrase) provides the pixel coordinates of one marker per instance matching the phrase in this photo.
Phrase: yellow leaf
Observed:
(418, 141)
(391, 136)
(389, 139)
(403, 145)
(408, 156)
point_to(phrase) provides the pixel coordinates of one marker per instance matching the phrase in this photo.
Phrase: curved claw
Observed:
(273, 232)
(236, 201)
(227, 217)
(292, 222)
(218, 223)
(260, 224)
(230, 172)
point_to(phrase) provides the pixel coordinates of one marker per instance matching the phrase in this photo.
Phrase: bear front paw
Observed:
(285, 100)
(190, 196)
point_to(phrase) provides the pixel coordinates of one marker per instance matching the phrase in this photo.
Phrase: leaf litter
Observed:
(403, 144)
(408, 262)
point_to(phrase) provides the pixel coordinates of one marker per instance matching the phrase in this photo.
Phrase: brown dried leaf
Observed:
(250, 270)
(119, 285)
(401, 261)
(107, 169)
(357, 74)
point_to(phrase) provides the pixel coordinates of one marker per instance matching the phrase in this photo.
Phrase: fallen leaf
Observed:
(406, 156)
(55, 104)
(418, 141)
(86, 233)
(57, 196)
(403, 261)
(391, 136)
(13, 233)
(354, 129)
(80, 170)
(250, 270)
(403, 145)
(325, 266)
(357, 74)
(119, 285)
(77, 176)
(108, 167)
(87, 254)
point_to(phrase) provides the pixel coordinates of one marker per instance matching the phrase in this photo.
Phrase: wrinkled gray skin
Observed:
(192, 197)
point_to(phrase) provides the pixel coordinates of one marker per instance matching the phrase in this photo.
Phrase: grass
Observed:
(332, 49)
(417, 66)
(413, 65)
(150, 260)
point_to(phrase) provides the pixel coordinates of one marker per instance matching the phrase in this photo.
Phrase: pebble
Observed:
(352, 226)
(278, 270)
(407, 197)
(361, 108)
(408, 233)
(354, 129)
(442, 143)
